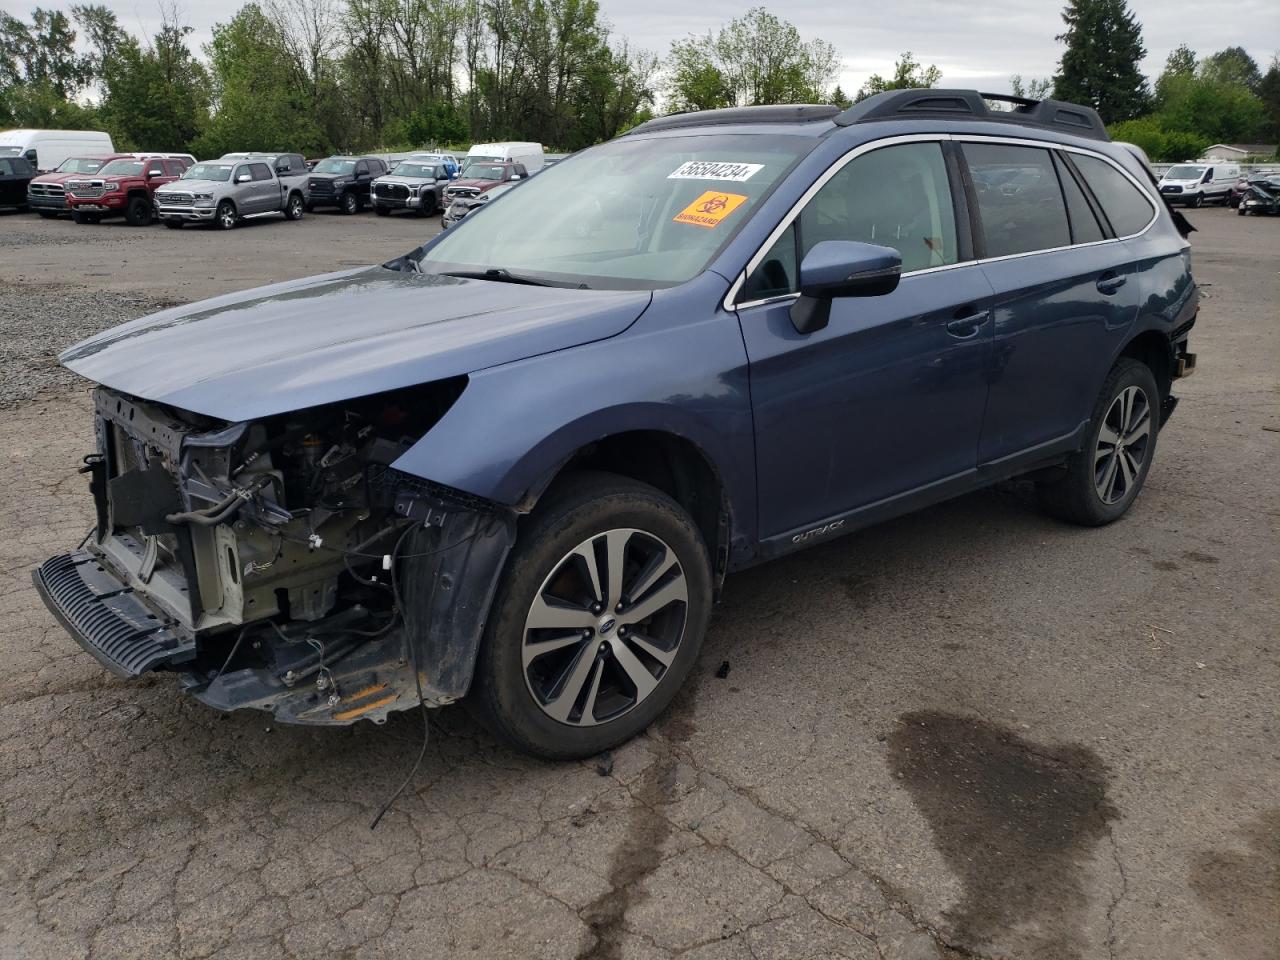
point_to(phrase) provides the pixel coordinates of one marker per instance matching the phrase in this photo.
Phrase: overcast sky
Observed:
(974, 47)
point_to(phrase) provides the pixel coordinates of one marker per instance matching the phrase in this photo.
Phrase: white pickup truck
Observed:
(224, 192)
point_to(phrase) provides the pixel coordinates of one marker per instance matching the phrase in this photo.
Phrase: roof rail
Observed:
(970, 104)
(784, 113)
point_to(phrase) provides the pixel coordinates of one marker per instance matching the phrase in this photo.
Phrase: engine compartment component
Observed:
(283, 563)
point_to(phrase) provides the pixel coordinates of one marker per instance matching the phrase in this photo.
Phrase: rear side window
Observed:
(260, 171)
(6, 168)
(1124, 204)
(1084, 225)
(1019, 200)
(173, 168)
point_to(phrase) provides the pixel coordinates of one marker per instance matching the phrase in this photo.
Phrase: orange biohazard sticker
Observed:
(710, 208)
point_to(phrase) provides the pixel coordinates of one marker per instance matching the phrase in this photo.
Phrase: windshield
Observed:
(10, 151)
(209, 171)
(335, 166)
(79, 165)
(485, 171)
(1184, 173)
(630, 214)
(468, 161)
(122, 168)
(407, 168)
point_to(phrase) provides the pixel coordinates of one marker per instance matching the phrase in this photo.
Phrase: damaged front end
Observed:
(284, 563)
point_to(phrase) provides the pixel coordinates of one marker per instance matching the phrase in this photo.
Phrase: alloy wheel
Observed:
(604, 627)
(1123, 440)
(226, 217)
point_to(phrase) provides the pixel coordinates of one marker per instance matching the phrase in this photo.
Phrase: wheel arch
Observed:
(671, 463)
(1151, 347)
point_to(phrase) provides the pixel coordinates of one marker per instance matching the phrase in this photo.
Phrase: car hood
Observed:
(407, 181)
(58, 177)
(479, 184)
(187, 186)
(323, 339)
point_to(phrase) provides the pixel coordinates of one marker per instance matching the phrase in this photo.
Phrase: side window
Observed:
(260, 171)
(777, 274)
(1208, 176)
(173, 168)
(1019, 200)
(897, 197)
(156, 166)
(1125, 205)
(240, 172)
(362, 168)
(6, 168)
(1084, 225)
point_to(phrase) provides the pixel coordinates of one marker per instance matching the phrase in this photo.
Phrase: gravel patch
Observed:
(37, 323)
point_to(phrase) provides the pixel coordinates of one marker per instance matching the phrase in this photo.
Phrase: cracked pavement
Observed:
(971, 732)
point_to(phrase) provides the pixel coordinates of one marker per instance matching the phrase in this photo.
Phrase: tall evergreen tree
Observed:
(1233, 65)
(1269, 93)
(1100, 65)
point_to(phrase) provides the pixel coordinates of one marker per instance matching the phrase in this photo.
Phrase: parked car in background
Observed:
(1262, 198)
(1195, 184)
(124, 188)
(478, 178)
(343, 182)
(46, 149)
(47, 193)
(447, 160)
(291, 168)
(224, 192)
(15, 174)
(462, 206)
(1238, 190)
(529, 155)
(517, 463)
(416, 185)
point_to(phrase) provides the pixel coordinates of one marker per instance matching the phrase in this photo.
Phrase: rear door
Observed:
(886, 401)
(1065, 296)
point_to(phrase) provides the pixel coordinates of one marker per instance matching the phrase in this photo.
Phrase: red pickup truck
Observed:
(124, 187)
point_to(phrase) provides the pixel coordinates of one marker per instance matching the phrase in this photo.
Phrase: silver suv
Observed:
(224, 192)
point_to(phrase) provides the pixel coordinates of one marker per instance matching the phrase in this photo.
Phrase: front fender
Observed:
(515, 425)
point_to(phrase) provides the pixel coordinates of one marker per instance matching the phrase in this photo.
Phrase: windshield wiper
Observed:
(503, 275)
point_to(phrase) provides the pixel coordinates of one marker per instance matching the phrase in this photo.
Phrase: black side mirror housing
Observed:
(842, 268)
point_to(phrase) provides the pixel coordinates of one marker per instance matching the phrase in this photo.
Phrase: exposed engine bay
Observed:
(283, 563)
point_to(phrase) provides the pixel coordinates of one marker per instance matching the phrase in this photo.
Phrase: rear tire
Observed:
(138, 212)
(577, 696)
(1103, 479)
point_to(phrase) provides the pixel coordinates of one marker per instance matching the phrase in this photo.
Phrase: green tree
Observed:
(1033, 88)
(156, 98)
(256, 104)
(102, 32)
(1222, 112)
(1160, 145)
(1232, 65)
(1100, 64)
(840, 99)
(1269, 94)
(1181, 62)
(757, 58)
(908, 74)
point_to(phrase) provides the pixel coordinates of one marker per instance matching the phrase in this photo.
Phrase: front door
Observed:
(886, 401)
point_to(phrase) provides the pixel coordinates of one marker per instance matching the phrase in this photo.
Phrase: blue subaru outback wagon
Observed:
(515, 465)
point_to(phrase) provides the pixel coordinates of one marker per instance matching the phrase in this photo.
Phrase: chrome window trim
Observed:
(730, 306)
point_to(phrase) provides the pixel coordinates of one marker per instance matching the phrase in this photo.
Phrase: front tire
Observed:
(1198, 200)
(598, 619)
(225, 217)
(1104, 478)
(293, 209)
(138, 212)
(350, 203)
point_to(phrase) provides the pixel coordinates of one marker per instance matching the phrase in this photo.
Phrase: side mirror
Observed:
(243, 178)
(155, 173)
(842, 268)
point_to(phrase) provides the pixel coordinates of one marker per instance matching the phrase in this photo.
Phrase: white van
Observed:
(1198, 183)
(530, 154)
(46, 149)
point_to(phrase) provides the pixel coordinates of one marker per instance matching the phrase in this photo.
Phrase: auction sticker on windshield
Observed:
(715, 170)
(710, 208)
